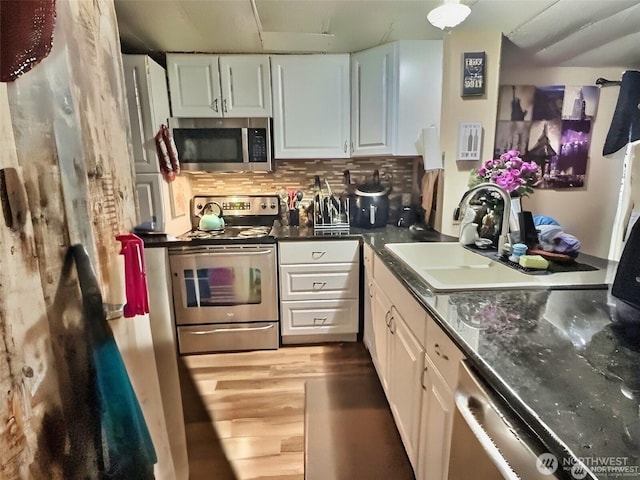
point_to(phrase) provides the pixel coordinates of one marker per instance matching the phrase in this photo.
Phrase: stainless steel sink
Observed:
(448, 266)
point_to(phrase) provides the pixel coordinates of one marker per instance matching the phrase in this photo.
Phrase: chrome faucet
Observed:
(505, 237)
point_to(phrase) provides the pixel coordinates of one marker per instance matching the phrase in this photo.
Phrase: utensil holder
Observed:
(294, 217)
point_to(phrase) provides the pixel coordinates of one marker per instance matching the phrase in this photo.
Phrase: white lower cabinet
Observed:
(417, 364)
(406, 362)
(367, 292)
(319, 290)
(381, 337)
(435, 425)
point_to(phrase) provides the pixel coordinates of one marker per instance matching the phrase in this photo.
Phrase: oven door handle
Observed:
(225, 330)
(464, 404)
(196, 252)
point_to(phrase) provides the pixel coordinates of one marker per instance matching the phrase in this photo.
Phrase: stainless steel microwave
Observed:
(223, 144)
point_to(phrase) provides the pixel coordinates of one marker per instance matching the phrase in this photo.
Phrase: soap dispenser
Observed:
(469, 234)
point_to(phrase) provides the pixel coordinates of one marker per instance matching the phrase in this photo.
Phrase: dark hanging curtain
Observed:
(625, 125)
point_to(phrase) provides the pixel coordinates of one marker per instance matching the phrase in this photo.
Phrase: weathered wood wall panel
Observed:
(28, 374)
(46, 426)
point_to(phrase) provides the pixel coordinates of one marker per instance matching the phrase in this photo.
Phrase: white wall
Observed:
(589, 212)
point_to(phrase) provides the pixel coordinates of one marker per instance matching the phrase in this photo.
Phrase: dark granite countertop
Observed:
(567, 361)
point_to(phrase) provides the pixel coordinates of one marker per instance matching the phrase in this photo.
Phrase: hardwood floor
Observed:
(244, 412)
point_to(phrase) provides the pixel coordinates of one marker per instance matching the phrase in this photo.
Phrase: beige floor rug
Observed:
(350, 433)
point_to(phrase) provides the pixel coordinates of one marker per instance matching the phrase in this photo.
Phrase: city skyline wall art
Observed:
(550, 125)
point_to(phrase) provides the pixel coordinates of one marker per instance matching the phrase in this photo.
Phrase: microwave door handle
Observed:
(245, 145)
(463, 402)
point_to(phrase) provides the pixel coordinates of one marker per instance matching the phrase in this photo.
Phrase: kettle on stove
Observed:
(211, 217)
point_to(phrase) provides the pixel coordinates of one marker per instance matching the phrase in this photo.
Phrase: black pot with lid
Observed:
(372, 203)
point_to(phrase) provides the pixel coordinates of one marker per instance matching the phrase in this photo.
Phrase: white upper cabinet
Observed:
(148, 103)
(246, 85)
(372, 103)
(194, 85)
(396, 92)
(311, 106)
(219, 85)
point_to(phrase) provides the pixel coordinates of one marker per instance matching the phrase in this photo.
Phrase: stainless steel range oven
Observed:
(225, 281)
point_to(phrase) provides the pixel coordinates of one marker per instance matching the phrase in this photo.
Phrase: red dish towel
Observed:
(135, 276)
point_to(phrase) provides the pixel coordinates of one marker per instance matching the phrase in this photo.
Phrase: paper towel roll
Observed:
(116, 292)
(431, 153)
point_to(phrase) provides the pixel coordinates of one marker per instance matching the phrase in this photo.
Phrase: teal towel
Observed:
(126, 450)
(129, 449)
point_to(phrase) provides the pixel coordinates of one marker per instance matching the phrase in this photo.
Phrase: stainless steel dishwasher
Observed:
(488, 441)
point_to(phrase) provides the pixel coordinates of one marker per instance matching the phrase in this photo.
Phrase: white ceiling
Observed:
(578, 33)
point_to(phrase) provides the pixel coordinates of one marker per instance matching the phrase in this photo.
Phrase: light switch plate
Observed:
(469, 140)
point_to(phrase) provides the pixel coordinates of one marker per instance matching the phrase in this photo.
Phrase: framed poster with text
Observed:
(473, 74)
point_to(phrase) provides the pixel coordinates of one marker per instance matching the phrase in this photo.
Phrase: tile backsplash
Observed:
(401, 173)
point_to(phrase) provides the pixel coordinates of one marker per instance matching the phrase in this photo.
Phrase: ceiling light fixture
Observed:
(449, 14)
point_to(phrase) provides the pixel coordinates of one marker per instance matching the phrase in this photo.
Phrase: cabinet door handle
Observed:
(437, 350)
(317, 255)
(215, 105)
(370, 290)
(392, 324)
(386, 318)
(345, 147)
(425, 370)
(224, 105)
(319, 285)
(317, 320)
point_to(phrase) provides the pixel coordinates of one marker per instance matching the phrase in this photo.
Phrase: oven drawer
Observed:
(225, 337)
(329, 251)
(301, 282)
(316, 317)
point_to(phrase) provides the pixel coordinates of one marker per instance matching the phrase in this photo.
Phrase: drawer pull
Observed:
(231, 330)
(319, 285)
(317, 255)
(317, 320)
(437, 349)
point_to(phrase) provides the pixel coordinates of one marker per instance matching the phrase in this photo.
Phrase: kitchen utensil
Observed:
(334, 205)
(282, 193)
(348, 196)
(292, 199)
(211, 217)
(372, 203)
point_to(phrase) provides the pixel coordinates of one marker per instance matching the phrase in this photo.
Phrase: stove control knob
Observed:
(199, 206)
(263, 205)
(273, 206)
